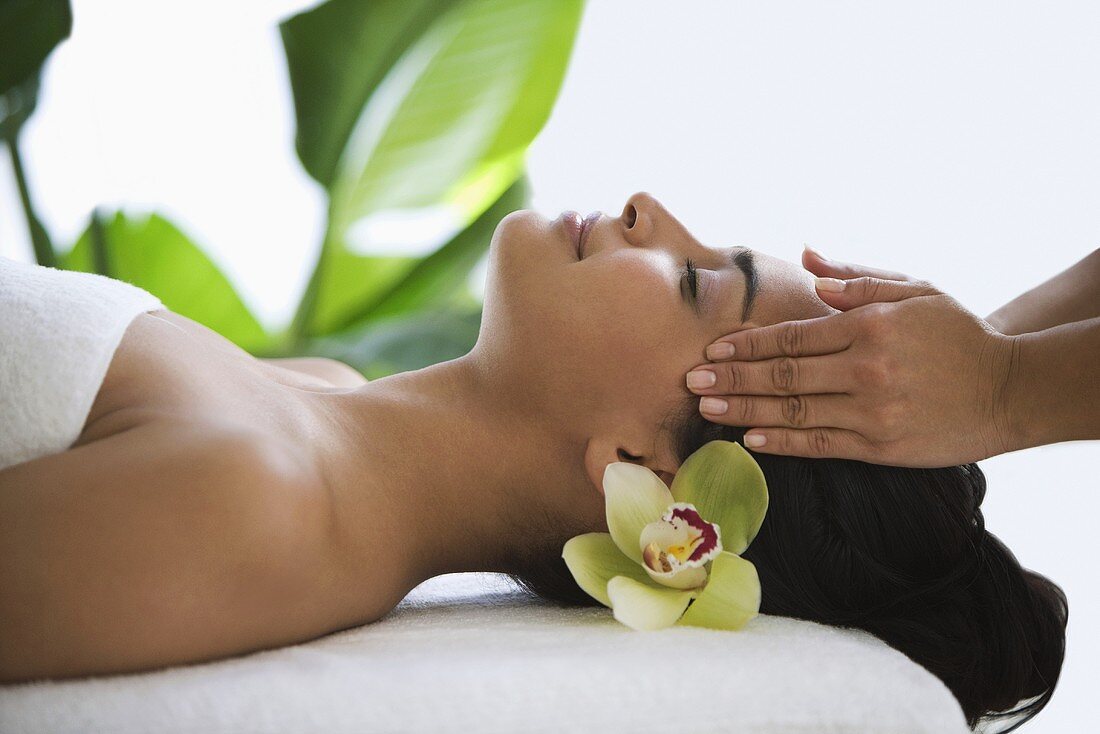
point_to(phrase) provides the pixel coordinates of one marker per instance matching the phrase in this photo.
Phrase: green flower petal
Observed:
(634, 497)
(643, 607)
(731, 597)
(727, 487)
(594, 559)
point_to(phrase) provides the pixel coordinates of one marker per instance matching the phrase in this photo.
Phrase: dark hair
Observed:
(901, 553)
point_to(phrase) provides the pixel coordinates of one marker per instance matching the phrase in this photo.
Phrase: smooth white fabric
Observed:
(58, 332)
(469, 654)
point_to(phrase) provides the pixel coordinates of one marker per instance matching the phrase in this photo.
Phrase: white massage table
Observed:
(468, 653)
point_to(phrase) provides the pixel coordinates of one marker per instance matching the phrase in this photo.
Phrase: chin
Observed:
(525, 283)
(526, 239)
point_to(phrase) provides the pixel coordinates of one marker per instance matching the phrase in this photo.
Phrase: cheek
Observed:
(607, 332)
(640, 295)
(631, 324)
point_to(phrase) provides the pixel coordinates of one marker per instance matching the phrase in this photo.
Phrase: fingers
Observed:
(821, 266)
(822, 335)
(794, 411)
(780, 376)
(848, 294)
(818, 443)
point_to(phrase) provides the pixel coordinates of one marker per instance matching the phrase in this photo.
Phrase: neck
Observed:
(444, 470)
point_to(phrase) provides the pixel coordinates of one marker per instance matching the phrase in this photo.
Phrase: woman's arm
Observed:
(1052, 391)
(156, 546)
(1072, 295)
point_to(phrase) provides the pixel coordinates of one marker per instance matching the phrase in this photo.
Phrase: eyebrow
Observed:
(742, 259)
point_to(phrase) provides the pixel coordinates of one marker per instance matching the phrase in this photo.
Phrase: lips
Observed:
(578, 228)
(586, 227)
(573, 224)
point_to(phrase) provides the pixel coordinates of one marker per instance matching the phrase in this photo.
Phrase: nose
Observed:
(639, 218)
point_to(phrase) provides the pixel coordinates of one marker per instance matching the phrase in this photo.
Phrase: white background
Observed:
(957, 142)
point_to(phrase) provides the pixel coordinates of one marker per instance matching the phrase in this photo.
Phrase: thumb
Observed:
(847, 294)
(822, 266)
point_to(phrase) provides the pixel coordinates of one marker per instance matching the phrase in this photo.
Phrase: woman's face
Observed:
(602, 342)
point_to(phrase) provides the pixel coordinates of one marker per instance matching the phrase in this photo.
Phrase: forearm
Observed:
(1072, 295)
(1053, 390)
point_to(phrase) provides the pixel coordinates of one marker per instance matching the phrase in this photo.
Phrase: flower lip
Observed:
(685, 536)
(586, 228)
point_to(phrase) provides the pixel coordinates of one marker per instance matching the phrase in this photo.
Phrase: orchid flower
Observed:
(674, 555)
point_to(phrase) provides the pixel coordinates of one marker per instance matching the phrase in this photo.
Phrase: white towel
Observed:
(468, 654)
(58, 332)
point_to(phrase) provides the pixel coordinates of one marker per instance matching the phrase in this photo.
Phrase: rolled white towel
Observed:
(59, 330)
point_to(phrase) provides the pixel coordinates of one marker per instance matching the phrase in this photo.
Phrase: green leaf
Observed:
(362, 289)
(448, 125)
(594, 559)
(337, 53)
(435, 279)
(151, 253)
(29, 31)
(349, 280)
(16, 107)
(403, 343)
(731, 597)
(726, 486)
(643, 606)
(633, 497)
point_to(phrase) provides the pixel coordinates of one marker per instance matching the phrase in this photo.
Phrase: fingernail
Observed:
(815, 252)
(832, 285)
(755, 440)
(701, 378)
(720, 350)
(714, 406)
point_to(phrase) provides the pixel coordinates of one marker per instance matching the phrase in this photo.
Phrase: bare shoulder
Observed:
(340, 373)
(330, 371)
(163, 544)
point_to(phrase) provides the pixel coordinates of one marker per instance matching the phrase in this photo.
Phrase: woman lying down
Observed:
(216, 504)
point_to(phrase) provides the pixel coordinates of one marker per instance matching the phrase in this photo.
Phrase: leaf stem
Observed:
(101, 261)
(298, 332)
(43, 249)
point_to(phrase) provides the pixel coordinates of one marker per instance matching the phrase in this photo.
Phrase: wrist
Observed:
(1014, 393)
(1051, 385)
(1008, 421)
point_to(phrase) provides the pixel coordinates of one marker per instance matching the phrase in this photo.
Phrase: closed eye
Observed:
(689, 277)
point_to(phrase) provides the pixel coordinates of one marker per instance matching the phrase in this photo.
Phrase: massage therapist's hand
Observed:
(904, 375)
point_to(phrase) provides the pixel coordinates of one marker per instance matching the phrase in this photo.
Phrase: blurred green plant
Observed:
(418, 108)
(29, 31)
